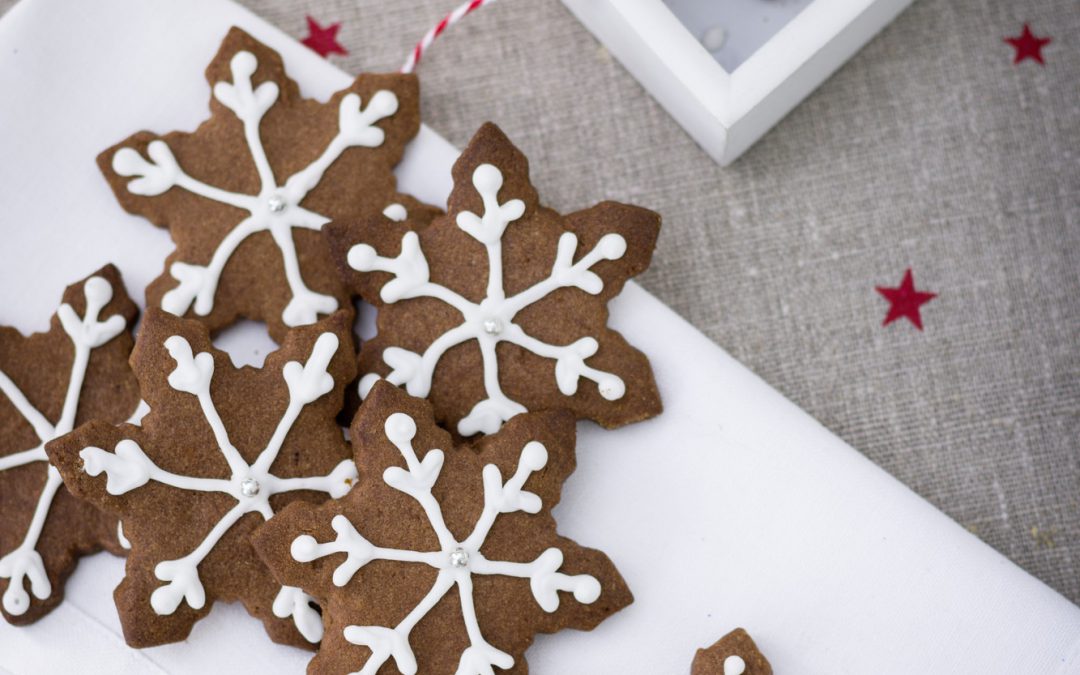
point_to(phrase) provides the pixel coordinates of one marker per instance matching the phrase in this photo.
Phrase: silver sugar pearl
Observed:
(249, 487)
(459, 557)
(276, 204)
(492, 326)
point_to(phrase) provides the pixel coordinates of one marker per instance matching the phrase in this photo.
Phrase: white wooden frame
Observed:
(725, 112)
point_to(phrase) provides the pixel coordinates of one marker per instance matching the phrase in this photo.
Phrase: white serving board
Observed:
(733, 508)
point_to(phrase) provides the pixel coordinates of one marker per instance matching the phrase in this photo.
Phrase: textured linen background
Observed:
(929, 149)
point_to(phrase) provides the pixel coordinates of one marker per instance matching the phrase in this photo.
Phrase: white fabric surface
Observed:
(732, 508)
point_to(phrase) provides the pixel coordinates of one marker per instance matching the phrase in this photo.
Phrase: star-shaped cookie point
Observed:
(905, 301)
(323, 41)
(1028, 46)
(500, 306)
(49, 383)
(221, 450)
(245, 194)
(443, 559)
(733, 654)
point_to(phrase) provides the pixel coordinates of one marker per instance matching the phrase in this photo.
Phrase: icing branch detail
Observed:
(456, 562)
(277, 206)
(492, 320)
(128, 468)
(24, 563)
(293, 602)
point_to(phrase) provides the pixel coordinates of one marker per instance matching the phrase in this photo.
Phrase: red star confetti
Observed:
(323, 40)
(1028, 46)
(904, 301)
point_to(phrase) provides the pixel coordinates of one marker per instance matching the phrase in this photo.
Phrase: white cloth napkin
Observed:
(733, 508)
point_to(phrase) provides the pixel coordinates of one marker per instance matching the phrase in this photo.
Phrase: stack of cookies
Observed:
(419, 540)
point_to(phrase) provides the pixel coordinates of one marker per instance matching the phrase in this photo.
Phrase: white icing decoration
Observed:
(492, 320)
(396, 212)
(128, 468)
(276, 208)
(86, 333)
(734, 665)
(456, 561)
(141, 411)
(293, 602)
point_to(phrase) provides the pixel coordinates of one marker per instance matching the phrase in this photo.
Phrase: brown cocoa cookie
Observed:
(442, 559)
(49, 382)
(733, 654)
(500, 306)
(221, 450)
(245, 194)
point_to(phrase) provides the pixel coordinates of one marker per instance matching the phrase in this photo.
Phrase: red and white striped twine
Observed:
(450, 19)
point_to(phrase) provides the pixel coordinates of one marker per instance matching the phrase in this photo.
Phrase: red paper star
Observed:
(905, 301)
(1028, 46)
(323, 40)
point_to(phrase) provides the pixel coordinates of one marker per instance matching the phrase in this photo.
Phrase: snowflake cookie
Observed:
(500, 306)
(443, 560)
(733, 654)
(244, 196)
(49, 382)
(221, 450)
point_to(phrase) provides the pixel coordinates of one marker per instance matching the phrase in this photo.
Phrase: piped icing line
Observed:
(396, 212)
(141, 411)
(492, 320)
(86, 333)
(128, 468)
(275, 209)
(456, 562)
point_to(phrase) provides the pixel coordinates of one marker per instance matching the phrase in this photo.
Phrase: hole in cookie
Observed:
(247, 343)
(365, 320)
